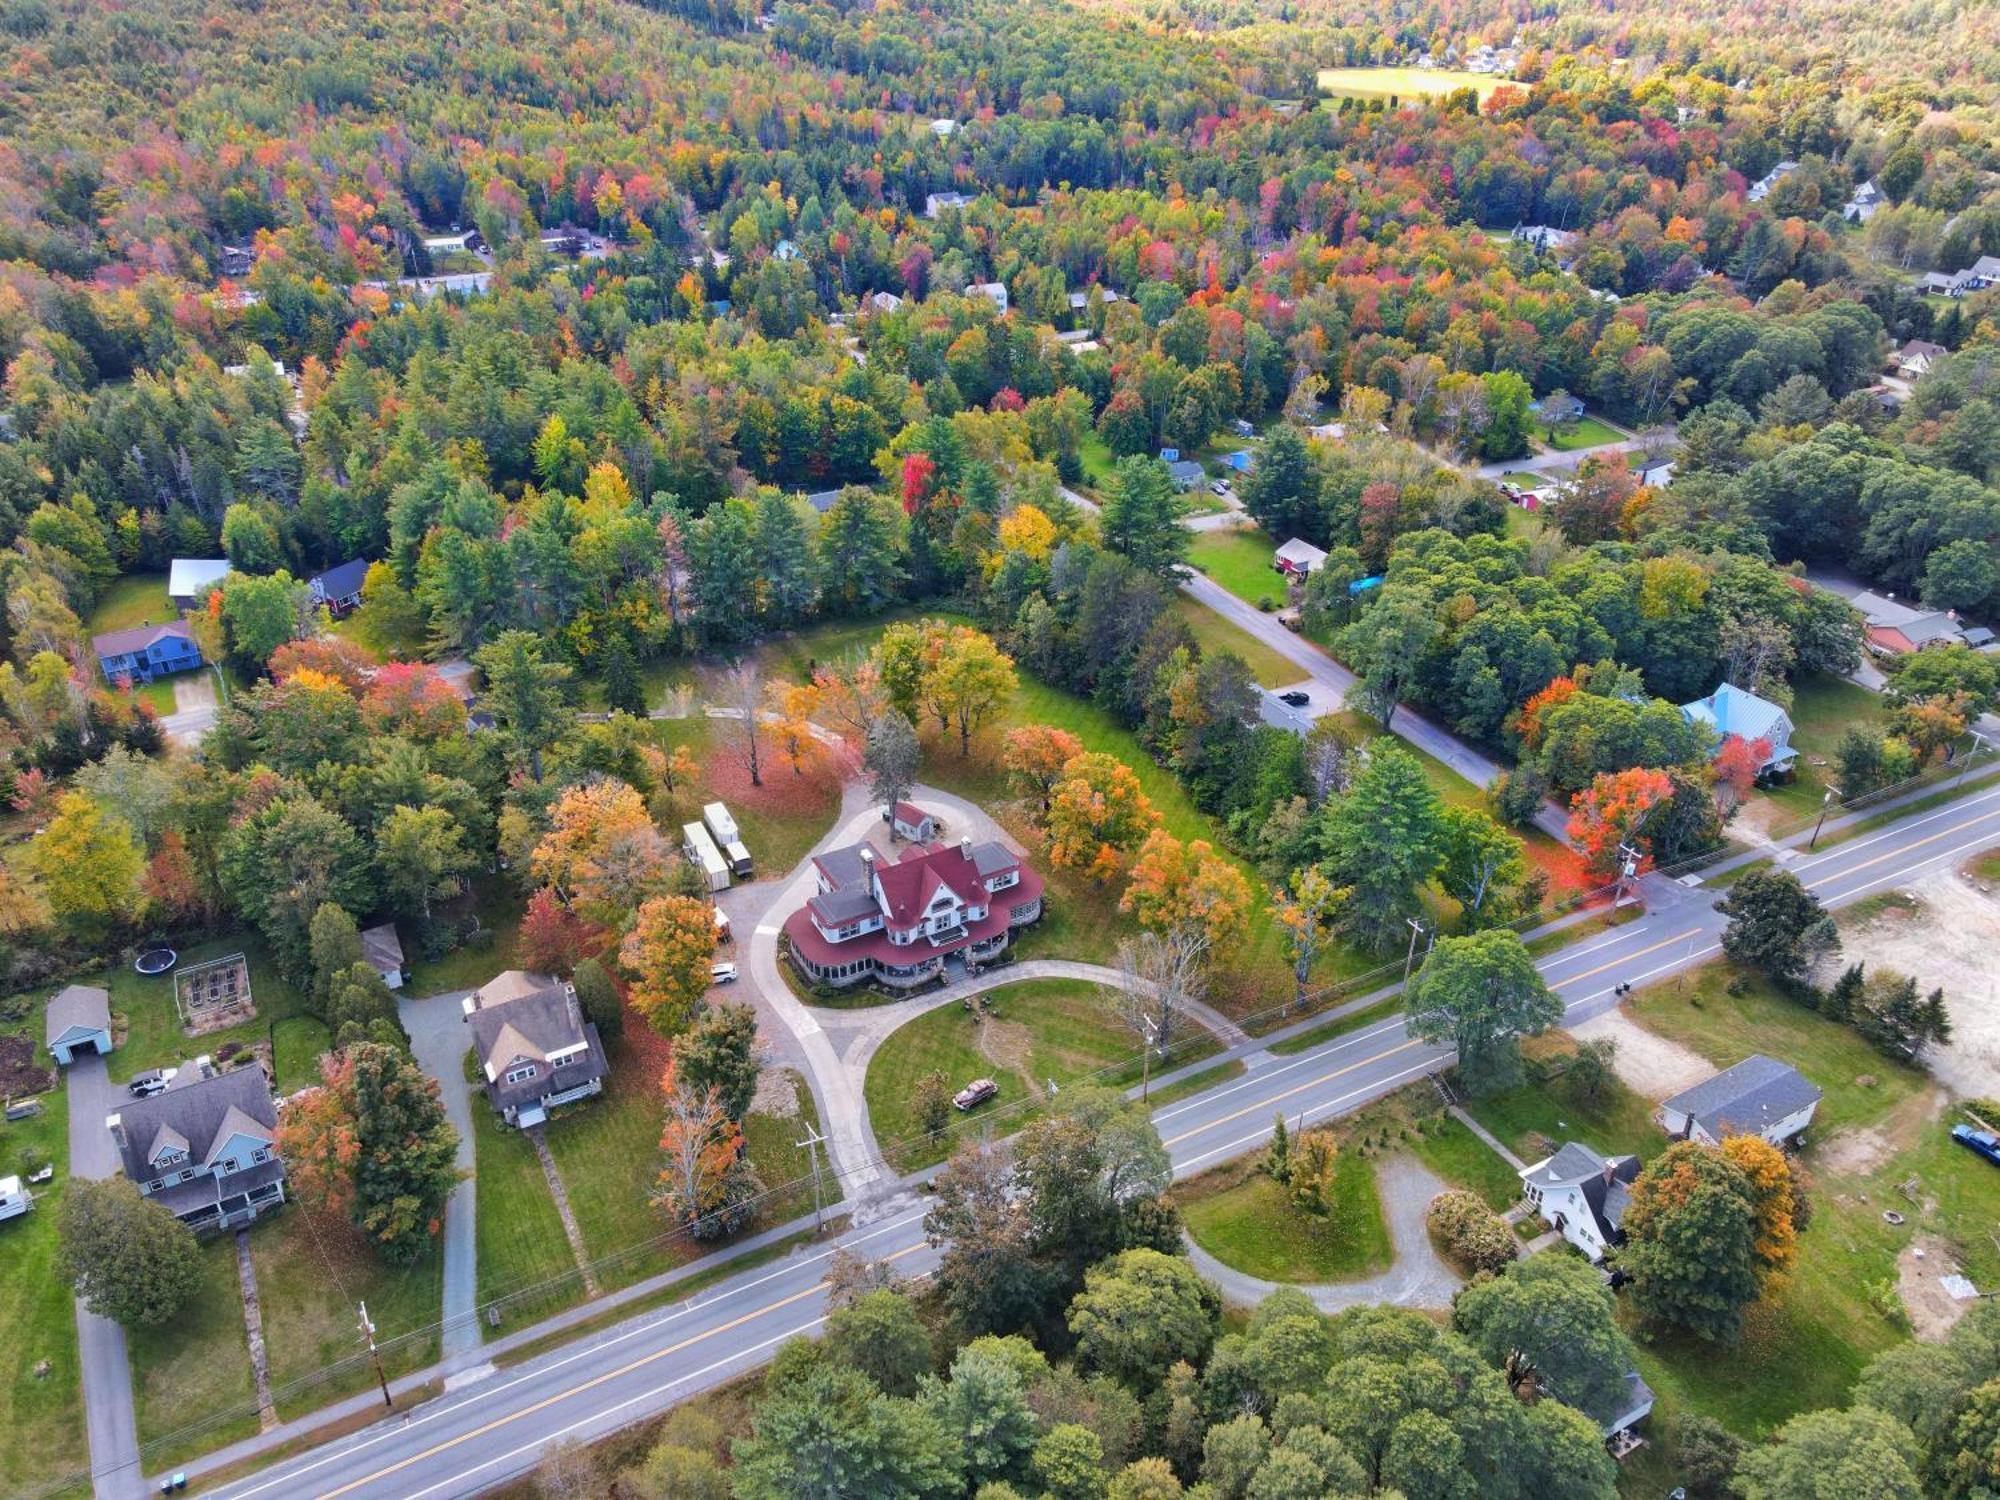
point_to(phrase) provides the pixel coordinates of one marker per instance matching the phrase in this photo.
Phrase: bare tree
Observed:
(568, 1472)
(1158, 974)
(850, 1277)
(743, 692)
(851, 695)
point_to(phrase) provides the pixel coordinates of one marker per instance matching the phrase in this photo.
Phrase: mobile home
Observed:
(704, 856)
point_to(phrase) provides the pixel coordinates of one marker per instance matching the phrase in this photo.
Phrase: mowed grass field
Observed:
(1246, 1220)
(1240, 560)
(1403, 83)
(1587, 433)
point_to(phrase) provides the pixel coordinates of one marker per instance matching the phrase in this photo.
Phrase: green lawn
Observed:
(135, 599)
(310, 1276)
(196, 1367)
(1305, 1041)
(296, 1045)
(1197, 1082)
(150, 1034)
(1616, 1121)
(1240, 560)
(1823, 708)
(41, 1416)
(1215, 634)
(1587, 433)
(1041, 1029)
(370, 627)
(1403, 83)
(520, 1238)
(1246, 1220)
(1096, 459)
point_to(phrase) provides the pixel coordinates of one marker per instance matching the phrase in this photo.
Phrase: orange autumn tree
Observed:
(700, 1148)
(1528, 723)
(1189, 892)
(1612, 810)
(319, 1141)
(794, 704)
(602, 853)
(1034, 756)
(411, 698)
(667, 953)
(1097, 812)
(1737, 762)
(1774, 1200)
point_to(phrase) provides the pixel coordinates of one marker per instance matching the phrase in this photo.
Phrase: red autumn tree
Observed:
(1528, 723)
(411, 698)
(1612, 811)
(555, 939)
(34, 794)
(919, 477)
(1737, 762)
(170, 881)
(331, 655)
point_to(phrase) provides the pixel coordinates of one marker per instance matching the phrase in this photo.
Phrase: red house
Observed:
(900, 920)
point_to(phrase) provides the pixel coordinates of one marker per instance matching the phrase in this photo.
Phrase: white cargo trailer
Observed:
(704, 856)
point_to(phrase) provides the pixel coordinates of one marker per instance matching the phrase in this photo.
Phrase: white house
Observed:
(1863, 205)
(1582, 1195)
(1729, 710)
(1298, 558)
(911, 822)
(383, 952)
(993, 291)
(1761, 188)
(936, 203)
(1914, 359)
(1759, 1096)
(78, 1023)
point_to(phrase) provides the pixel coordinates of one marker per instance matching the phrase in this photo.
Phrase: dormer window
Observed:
(521, 1074)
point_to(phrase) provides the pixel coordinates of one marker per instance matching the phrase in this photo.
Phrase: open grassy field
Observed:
(1039, 1030)
(1403, 83)
(1616, 1121)
(296, 1045)
(196, 1366)
(1823, 708)
(311, 1273)
(1587, 432)
(1240, 560)
(41, 1415)
(134, 599)
(1246, 1220)
(1270, 668)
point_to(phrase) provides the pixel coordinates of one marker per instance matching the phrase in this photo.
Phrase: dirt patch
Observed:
(777, 1094)
(1946, 939)
(1920, 1273)
(1006, 1044)
(1650, 1064)
(1852, 1152)
(19, 1077)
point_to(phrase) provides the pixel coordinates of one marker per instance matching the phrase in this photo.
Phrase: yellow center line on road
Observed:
(1311, 1083)
(591, 1384)
(1899, 852)
(1626, 959)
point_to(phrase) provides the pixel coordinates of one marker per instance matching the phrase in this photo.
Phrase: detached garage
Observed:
(79, 1024)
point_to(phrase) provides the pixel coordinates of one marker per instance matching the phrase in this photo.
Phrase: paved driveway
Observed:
(195, 709)
(107, 1373)
(439, 1038)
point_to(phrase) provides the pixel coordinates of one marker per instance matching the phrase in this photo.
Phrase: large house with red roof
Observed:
(898, 920)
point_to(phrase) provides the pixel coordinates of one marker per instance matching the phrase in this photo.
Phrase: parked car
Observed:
(148, 1084)
(1295, 698)
(722, 973)
(1220, 487)
(1979, 1142)
(975, 1093)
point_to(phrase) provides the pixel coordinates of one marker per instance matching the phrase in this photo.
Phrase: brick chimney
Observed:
(868, 871)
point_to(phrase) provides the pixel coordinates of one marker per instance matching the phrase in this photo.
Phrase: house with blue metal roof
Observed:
(1730, 710)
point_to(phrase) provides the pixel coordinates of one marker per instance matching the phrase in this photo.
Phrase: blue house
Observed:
(1242, 460)
(1730, 711)
(145, 652)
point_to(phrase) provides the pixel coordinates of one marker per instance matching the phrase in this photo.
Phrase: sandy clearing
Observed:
(1950, 940)
(1648, 1063)
(1920, 1270)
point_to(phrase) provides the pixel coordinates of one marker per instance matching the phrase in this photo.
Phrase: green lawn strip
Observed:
(152, 1035)
(1403, 83)
(1197, 1082)
(1985, 866)
(41, 1415)
(311, 1274)
(1096, 458)
(1043, 1029)
(1269, 666)
(1305, 1041)
(1590, 926)
(1246, 1220)
(195, 1368)
(1618, 1120)
(498, 903)
(786, 1169)
(370, 628)
(1239, 558)
(133, 600)
(296, 1045)
(1823, 708)
(520, 1238)
(1586, 433)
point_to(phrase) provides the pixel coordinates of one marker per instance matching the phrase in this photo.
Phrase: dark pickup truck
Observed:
(1981, 1142)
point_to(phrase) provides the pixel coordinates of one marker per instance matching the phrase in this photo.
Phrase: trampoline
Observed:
(155, 960)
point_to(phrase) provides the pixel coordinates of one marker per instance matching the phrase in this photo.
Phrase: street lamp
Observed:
(1146, 1059)
(1825, 802)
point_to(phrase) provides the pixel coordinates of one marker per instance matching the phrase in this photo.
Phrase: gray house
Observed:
(206, 1149)
(79, 1023)
(533, 1046)
(1759, 1096)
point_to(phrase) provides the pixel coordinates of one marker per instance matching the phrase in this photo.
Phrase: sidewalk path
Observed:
(439, 1040)
(1419, 1278)
(107, 1373)
(1499, 1147)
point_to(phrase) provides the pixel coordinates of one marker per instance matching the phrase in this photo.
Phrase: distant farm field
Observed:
(1403, 83)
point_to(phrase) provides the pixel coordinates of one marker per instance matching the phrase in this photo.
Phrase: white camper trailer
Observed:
(704, 856)
(728, 838)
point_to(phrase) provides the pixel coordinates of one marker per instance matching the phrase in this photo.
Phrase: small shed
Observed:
(1298, 557)
(911, 822)
(383, 952)
(79, 1023)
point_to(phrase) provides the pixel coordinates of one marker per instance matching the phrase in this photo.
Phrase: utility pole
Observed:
(1978, 744)
(812, 1143)
(1628, 866)
(1410, 958)
(1825, 802)
(368, 1332)
(1146, 1059)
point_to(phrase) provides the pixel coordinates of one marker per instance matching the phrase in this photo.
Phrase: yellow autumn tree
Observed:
(1097, 813)
(1773, 1199)
(89, 864)
(1190, 892)
(602, 852)
(667, 955)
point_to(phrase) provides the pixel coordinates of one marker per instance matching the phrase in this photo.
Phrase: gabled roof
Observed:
(200, 1110)
(191, 576)
(1297, 550)
(341, 581)
(381, 948)
(167, 1142)
(538, 1017)
(235, 1123)
(910, 813)
(1731, 710)
(1747, 1099)
(1570, 1165)
(138, 638)
(78, 1007)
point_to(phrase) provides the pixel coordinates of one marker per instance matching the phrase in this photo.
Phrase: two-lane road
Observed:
(483, 1434)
